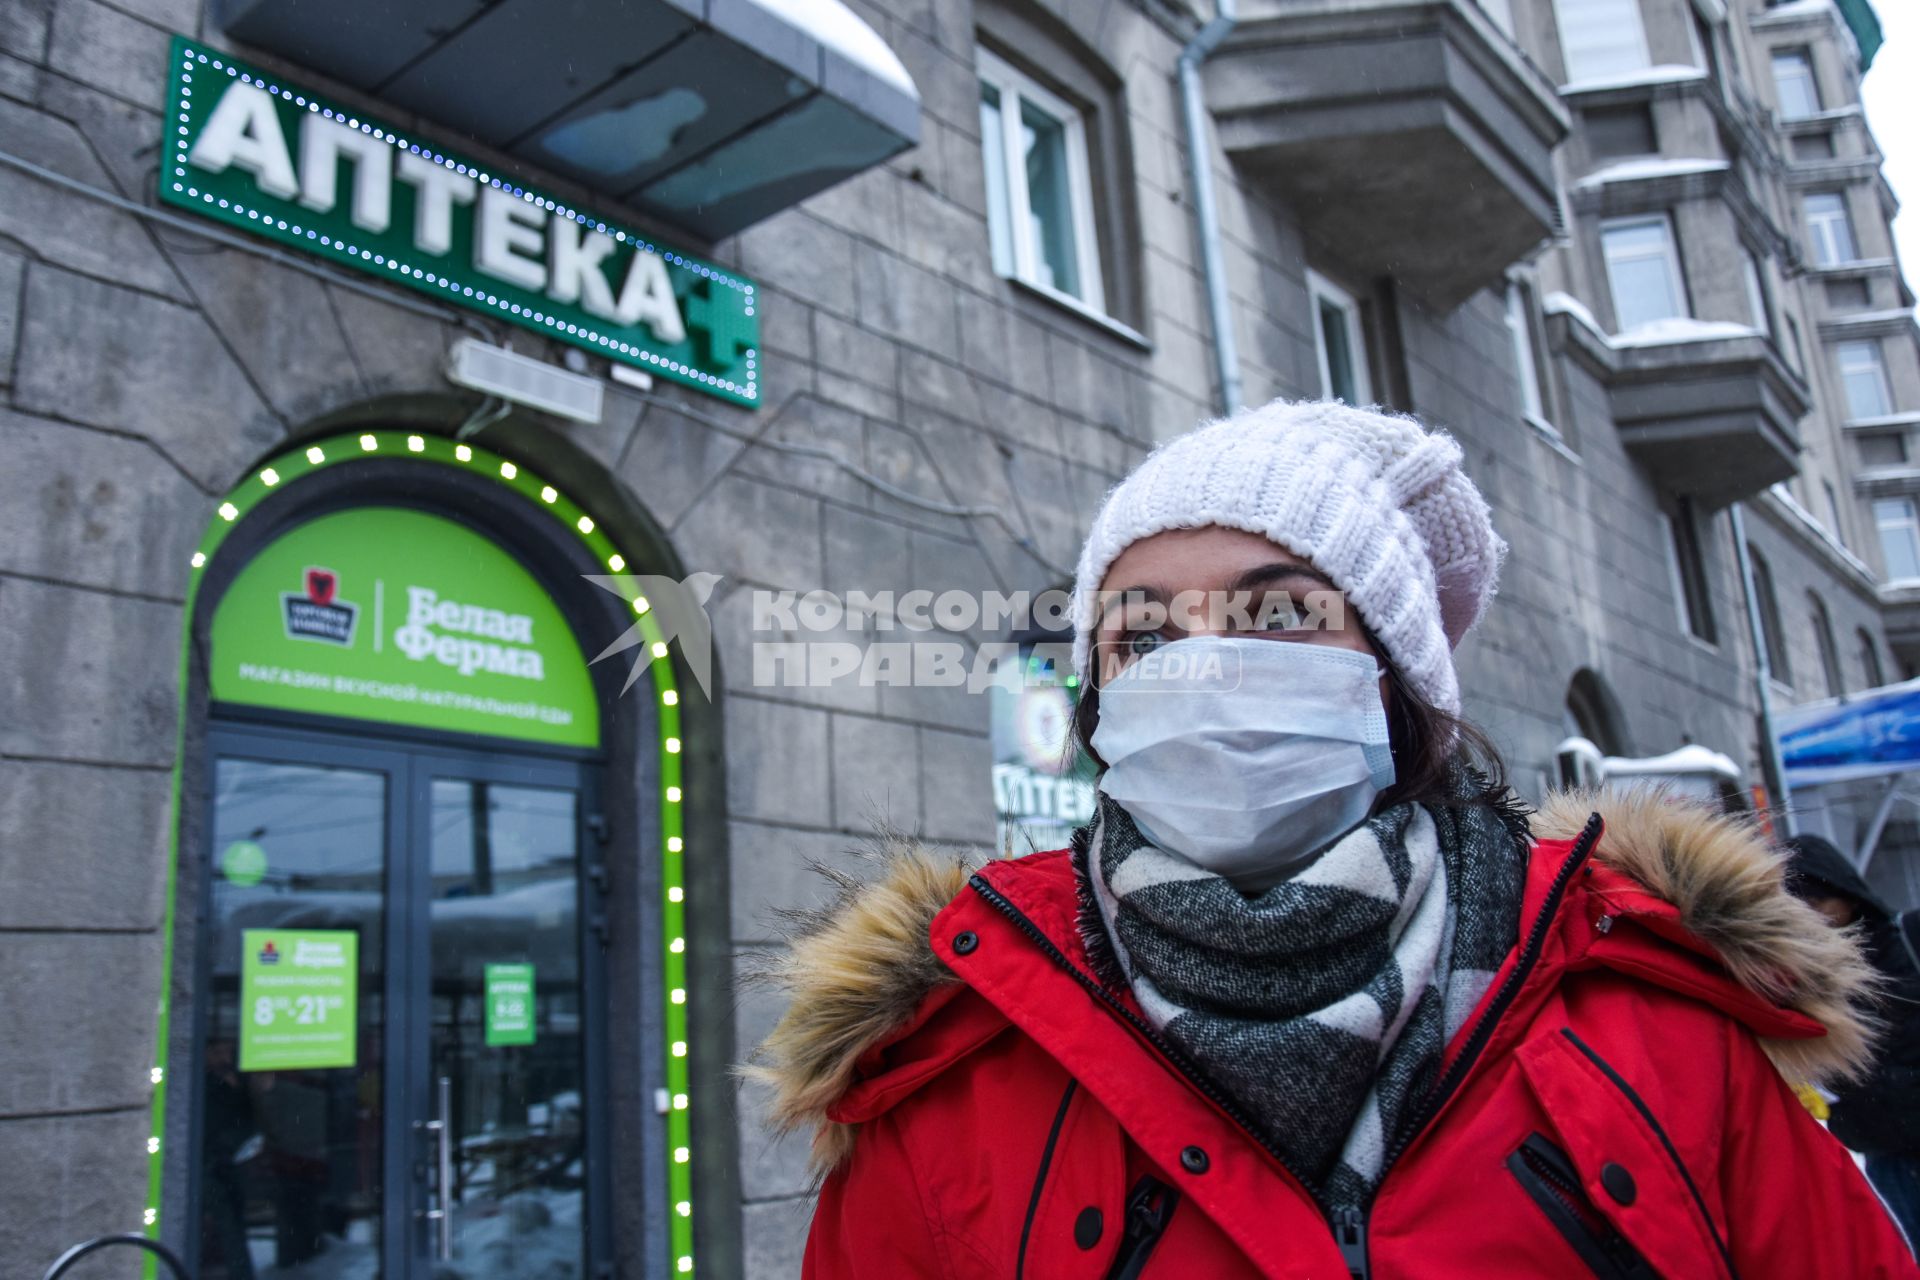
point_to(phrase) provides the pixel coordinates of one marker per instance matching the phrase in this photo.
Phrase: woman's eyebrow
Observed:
(1118, 600)
(1267, 575)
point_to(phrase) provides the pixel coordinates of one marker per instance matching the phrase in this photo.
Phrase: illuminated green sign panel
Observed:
(298, 1008)
(253, 150)
(381, 613)
(509, 1004)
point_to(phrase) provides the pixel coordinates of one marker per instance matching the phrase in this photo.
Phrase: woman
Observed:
(1306, 998)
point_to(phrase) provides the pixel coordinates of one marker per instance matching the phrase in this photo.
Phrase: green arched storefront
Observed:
(389, 926)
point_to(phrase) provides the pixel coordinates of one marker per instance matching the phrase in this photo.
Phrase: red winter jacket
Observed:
(985, 1108)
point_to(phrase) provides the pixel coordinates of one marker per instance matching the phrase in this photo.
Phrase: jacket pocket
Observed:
(1550, 1181)
(1620, 1153)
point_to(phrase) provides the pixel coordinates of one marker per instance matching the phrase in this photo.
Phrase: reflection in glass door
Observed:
(394, 1076)
(506, 1052)
(291, 1150)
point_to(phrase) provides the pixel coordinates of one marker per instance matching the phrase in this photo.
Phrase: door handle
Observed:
(441, 1127)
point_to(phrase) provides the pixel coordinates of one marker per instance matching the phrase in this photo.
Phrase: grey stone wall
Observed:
(144, 370)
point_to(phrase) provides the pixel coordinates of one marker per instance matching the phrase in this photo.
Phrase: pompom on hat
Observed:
(1372, 499)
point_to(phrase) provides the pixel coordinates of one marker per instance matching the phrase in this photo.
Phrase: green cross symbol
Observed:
(716, 314)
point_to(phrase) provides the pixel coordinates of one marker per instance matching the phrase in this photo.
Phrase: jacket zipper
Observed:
(1546, 1175)
(1350, 1233)
(1146, 1223)
(1483, 1030)
(1173, 1054)
(1349, 1224)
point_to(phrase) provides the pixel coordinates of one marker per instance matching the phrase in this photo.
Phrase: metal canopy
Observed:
(709, 114)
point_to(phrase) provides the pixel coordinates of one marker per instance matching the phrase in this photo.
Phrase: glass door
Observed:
(398, 1042)
(506, 1054)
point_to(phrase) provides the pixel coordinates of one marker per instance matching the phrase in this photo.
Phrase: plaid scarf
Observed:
(1323, 1004)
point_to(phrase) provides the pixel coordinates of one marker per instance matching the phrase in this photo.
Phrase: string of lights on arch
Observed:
(309, 458)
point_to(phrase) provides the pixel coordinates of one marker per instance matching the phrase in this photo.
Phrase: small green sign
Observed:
(509, 1004)
(251, 149)
(298, 1006)
(381, 613)
(244, 863)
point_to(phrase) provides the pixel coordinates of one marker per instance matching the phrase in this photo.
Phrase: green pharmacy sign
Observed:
(255, 151)
(298, 1007)
(509, 1004)
(382, 613)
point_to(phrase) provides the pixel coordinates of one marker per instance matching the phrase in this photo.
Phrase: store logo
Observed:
(269, 954)
(419, 640)
(316, 615)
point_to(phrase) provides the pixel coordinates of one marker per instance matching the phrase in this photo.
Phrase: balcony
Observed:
(708, 114)
(1411, 137)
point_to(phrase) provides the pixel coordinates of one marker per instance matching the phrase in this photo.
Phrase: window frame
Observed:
(1560, 8)
(1805, 58)
(1871, 671)
(1322, 290)
(1820, 237)
(1759, 301)
(1670, 254)
(1879, 370)
(1014, 87)
(1772, 632)
(1687, 572)
(1527, 356)
(1826, 646)
(1910, 524)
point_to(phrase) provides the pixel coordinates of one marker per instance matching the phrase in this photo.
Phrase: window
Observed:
(1526, 357)
(1794, 85)
(1863, 378)
(1769, 616)
(1795, 347)
(1833, 512)
(1870, 670)
(1339, 342)
(1829, 229)
(1601, 38)
(1823, 641)
(1756, 292)
(1039, 195)
(1643, 270)
(1686, 563)
(1899, 537)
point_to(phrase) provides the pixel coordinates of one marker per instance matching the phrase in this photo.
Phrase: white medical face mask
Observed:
(1246, 756)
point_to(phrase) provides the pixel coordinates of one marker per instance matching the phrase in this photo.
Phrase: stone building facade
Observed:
(1594, 260)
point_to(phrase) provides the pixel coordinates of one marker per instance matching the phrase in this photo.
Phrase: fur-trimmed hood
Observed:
(860, 971)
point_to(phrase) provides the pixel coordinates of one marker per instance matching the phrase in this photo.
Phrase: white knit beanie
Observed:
(1372, 499)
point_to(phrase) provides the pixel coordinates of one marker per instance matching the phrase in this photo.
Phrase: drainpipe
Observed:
(1762, 673)
(1205, 213)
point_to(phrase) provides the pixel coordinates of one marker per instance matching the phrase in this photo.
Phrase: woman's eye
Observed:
(1284, 617)
(1143, 642)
